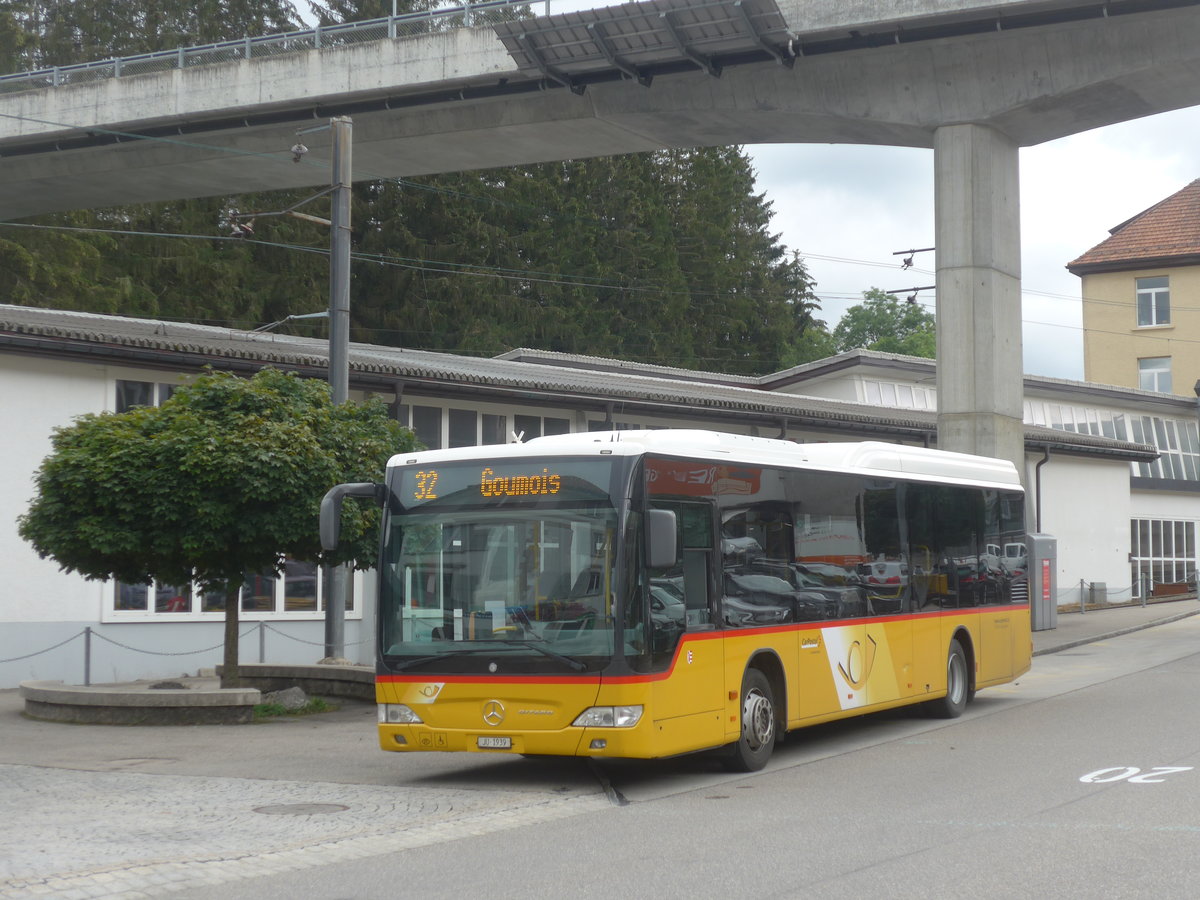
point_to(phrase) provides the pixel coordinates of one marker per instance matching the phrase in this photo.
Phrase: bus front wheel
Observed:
(752, 750)
(958, 685)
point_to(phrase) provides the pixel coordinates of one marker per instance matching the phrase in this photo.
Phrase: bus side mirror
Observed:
(331, 508)
(662, 551)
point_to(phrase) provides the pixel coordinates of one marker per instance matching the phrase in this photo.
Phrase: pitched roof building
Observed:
(1141, 299)
(1109, 471)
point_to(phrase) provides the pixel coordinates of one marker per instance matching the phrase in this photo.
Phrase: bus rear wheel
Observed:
(958, 685)
(752, 750)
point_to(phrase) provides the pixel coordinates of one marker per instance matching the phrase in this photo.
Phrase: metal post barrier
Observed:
(262, 642)
(87, 656)
(1082, 598)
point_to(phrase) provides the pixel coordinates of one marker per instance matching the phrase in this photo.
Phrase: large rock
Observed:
(292, 698)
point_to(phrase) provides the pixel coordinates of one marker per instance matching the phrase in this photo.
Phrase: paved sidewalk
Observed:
(136, 812)
(1076, 628)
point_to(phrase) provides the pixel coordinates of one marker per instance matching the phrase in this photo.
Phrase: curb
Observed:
(57, 702)
(350, 681)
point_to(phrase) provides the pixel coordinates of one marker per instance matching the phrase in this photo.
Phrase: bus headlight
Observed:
(609, 717)
(397, 714)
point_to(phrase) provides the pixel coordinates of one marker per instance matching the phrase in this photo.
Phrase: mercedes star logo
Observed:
(493, 712)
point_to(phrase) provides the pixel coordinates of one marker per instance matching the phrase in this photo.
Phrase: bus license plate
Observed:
(495, 743)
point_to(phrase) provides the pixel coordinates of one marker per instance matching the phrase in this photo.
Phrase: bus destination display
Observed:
(488, 484)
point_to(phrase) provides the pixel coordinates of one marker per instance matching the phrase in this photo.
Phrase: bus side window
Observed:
(687, 583)
(887, 568)
(929, 580)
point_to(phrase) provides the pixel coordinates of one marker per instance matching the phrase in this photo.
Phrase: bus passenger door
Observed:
(996, 654)
(993, 594)
(687, 704)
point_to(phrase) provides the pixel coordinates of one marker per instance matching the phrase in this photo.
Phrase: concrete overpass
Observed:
(973, 79)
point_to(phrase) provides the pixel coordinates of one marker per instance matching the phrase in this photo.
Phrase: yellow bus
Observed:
(647, 594)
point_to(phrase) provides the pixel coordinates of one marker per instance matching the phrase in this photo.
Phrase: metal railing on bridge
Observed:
(466, 15)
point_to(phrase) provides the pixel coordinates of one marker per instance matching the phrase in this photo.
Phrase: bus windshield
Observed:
(486, 574)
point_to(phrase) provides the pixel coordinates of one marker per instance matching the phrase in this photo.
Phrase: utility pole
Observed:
(335, 578)
(339, 349)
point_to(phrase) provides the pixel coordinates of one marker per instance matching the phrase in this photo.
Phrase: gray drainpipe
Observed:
(1037, 489)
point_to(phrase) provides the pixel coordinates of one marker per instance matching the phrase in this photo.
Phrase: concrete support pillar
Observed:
(978, 236)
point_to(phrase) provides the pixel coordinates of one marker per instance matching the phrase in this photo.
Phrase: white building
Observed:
(1112, 473)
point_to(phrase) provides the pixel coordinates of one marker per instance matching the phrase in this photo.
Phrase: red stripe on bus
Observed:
(696, 637)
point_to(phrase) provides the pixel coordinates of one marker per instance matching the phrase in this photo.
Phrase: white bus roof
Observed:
(873, 458)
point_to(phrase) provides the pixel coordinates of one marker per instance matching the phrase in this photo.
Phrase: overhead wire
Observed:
(443, 267)
(480, 270)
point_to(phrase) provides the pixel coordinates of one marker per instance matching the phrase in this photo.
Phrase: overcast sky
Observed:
(848, 208)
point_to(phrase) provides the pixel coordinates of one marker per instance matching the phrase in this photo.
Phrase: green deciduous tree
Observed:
(224, 478)
(814, 343)
(882, 322)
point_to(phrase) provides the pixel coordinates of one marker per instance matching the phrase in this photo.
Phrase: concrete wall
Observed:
(38, 396)
(42, 607)
(848, 389)
(1086, 505)
(1112, 341)
(1155, 505)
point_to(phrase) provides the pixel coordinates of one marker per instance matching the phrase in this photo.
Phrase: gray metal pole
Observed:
(339, 347)
(339, 263)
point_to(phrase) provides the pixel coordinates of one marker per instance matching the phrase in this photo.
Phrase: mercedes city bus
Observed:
(652, 593)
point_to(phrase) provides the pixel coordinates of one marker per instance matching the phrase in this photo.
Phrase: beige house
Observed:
(1141, 299)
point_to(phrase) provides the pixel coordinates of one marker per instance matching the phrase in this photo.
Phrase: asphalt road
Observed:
(1080, 780)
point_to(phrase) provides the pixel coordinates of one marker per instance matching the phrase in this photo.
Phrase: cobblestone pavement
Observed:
(71, 834)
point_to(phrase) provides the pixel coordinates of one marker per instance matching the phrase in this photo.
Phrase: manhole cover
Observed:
(300, 809)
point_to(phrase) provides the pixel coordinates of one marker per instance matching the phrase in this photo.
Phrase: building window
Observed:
(300, 589)
(1154, 374)
(427, 426)
(495, 429)
(1153, 301)
(1074, 418)
(1178, 445)
(132, 394)
(607, 425)
(1161, 551)
(530, 427)
(464, 430)
(894, 395)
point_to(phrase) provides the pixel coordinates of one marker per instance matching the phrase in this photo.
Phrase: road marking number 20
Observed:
(1132, 774)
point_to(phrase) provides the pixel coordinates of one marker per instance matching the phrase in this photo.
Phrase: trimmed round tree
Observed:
(223, 479)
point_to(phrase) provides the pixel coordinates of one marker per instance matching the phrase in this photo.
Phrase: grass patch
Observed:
(275, 710)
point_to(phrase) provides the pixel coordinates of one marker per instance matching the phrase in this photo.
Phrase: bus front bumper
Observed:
(573, 741)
